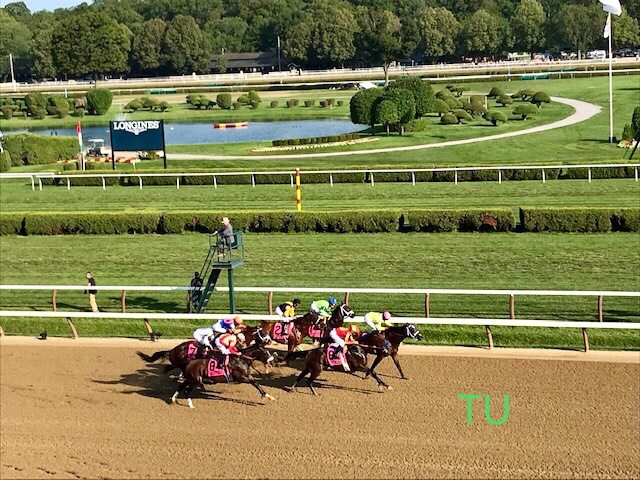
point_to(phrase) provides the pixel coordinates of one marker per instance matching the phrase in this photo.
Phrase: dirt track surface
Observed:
(99, 411)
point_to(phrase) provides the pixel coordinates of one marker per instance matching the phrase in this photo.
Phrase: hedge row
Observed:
(581, 220)
(364, 177)
(30, 149)
(463, 220)
(313, 140)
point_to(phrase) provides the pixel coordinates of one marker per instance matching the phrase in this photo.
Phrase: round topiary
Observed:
(99, 100)
(243, 99)
(254, 97)
(274, 104)
(448, 119)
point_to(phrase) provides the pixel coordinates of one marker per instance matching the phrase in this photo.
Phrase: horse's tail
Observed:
(155, 357)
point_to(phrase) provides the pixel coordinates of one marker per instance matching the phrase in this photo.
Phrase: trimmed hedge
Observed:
(30, 149)
(306, 141)
(463, 220)
(5, 161)
(580, 220)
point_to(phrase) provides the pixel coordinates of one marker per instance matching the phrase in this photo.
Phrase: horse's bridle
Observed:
(346, 313)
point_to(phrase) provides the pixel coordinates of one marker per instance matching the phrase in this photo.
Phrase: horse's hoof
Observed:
(389, 387)
(269, 397)
(191, 404)
(405, 378)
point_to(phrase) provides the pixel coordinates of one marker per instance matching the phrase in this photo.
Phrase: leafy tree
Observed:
(90, 43)
(462, 116)
(146, 53)
(474, 108)
(361, 106)
(528, 25)
(224, 100)
(99, 100)
(222, 63)
(495, 117)
(635, 119)
(15, 38)
(625, 30)
(17, 9)
(438, 29)
(34, 102)
(421, 90)
(580, 25)
(539, 98)
(479, 34)
(226, 34)
(386, 114)
(443, 94)
(297, 42)
(332, 34)
(379, 40)
(523, 94)
(441, 107)
(405, 104)
(453, 103)
(496, 92)
(505, 100)
(184, 46)
(525, 110)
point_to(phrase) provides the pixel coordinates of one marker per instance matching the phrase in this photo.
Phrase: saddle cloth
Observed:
(215, 368)
(316, 331)
(279, 332)
(335, 356)
(192, 352)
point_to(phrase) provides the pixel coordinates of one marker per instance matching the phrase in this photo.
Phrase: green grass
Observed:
(16, 196)
(474, 261)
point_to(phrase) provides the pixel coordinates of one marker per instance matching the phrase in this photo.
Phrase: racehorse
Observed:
(179, 356)
(386, 344)
(238, 371)
(316, 361)
(301, 326)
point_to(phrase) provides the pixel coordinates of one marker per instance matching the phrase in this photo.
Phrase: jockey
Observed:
(378, 322)
(226, 343)
(230, 325)
(344, 336)
(286, 311)
(323, 308)
(203, 336)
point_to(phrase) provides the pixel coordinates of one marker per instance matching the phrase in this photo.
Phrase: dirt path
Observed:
(75, 410)
(583, 111)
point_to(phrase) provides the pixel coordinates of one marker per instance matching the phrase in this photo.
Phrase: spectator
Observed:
(91, 282)
(225, 236)
(196, 282)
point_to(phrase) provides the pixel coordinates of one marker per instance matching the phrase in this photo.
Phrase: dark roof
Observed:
(249, 60)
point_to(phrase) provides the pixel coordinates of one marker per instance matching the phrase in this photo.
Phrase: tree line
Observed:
(160, 37)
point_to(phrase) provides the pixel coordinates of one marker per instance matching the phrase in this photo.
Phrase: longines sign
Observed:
(137, 135)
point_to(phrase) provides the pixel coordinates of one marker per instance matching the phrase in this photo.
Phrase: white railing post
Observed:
(499, 176)
(33, 184)
(455, 176)
(40, 183)
(292, 185)
(636, 173)
(68, 183)
(215, 182)
(372, 182)
(331, 179)
(589, 174)
(544, 177)
(140, 178)
(104, 185)
(253, 180)
(178, 183)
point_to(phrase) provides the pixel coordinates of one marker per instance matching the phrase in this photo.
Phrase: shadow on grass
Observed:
(154, 305)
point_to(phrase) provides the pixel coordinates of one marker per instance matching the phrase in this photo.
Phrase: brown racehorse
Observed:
(316, 361)
(300, 328)
(178, 355)
(386, 343)
(196, 372)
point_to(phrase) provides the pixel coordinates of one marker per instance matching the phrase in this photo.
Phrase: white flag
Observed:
(607, 28)
(611, 6)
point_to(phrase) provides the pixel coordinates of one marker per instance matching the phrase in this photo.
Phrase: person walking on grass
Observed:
(91, 282)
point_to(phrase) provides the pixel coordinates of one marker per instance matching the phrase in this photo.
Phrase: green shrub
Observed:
(40, 114)
(243, 99)
(582, 220)
(99, 101)
(309, 103)
(7, 112)
(237, 105)
(97, 166)
(421, 91)
(274, 103)
(79, 112)
(70, 166)
(331, 101)
(461, 220)
(254, 97)
(462, 116)
(340, 103)
(291, 103)
(444, 94)
(224, 100)
(453, 103)
(627, 132)
(361, 106)
(417, 125)
(505, 100)
(323, 103)
(254, 104)
(29, 149)
(496, 92)
(448, 119)
(164, 106)
(5, 161)
(625, 220)
(539, 98)
(296, 102)
(525, 110)
(524, 95)
(441, 107)
(133, 106)
(35, 102)
(307, 141)
(150, 103)
(635, 119)
(494, 116)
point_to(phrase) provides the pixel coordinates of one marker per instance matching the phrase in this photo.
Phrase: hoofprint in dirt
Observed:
(89, 408)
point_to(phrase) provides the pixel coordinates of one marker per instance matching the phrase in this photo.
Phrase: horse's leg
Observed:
(300, 377)
(181, 388)
(396, 360)
(263, 394)
(312, 377)
(374, 365)
(192, 388)
(379, 380)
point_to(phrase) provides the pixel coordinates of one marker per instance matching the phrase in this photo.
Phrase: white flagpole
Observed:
(610, 80)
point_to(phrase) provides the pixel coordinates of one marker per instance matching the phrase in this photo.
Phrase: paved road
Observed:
(583, 111)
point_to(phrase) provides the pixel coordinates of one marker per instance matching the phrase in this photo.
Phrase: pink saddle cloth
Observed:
(281, 333)
(192, 352)
(335, 356)
(315, 332)
(215, 368)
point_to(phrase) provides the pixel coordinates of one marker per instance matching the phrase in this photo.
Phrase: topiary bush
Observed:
(7, 112)
(524, 95)
(578, 220)
(224, 100)
(133, 106)
(291, 103)
(505, 100)
(496, 92)
(461, 220)
(635, 119)
(79, 112)
(254, 104)
(309, 103)
(462, 115)
(243, 99)
(30, 149)
(495, 117)
(35, 102)
(274, 104)
(99, 101)
(237, 105)
(417, 125)
(323, 103)
(340, 103)
(627, 131)
(5, 161)
(296, 102)
(448, 119)
(539, 98)
(440, 107)
(361, 106)
(253, 96)
(525, 110)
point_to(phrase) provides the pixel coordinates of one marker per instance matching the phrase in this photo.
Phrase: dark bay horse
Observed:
(387, 343)
(301, 325)
(179, 356)
(197, 370)
(316, 361)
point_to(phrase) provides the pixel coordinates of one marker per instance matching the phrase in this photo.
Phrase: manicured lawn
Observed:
(17, 196)
(474, 261)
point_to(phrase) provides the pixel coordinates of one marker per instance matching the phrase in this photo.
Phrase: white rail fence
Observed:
(39, 177)
(347, 292)
(487, 322)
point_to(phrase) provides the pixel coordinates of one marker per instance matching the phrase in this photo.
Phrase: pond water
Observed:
(192, 133)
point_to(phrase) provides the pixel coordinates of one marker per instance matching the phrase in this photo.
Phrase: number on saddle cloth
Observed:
(316, 331)
(192, 351)
(280, 331)
(336, 356)
(216, 368)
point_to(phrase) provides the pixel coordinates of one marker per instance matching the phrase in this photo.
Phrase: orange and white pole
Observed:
(298, 192)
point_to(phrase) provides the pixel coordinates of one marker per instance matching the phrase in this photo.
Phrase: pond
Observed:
(192, 133)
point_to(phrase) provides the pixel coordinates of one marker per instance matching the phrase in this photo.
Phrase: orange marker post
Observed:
(298, 192)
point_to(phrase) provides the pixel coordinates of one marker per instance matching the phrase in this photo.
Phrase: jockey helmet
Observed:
(332, 301)
(227, 321)
(238, 320)
(386, 315)
(354, 329)
(296, 302)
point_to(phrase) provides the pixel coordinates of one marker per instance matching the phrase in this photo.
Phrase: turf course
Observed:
(475, 261)
(16, 196)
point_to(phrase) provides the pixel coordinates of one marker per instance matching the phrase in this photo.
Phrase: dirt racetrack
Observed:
(82, 409)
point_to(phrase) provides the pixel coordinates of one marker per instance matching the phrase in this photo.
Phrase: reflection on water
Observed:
(191, 133)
